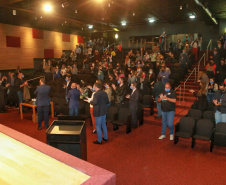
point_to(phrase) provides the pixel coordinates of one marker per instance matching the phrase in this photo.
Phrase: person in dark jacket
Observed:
(73, 96)
(157, 90)
(120, 91)
(42, 102)
(99, 102)
(133, 103)
(2, 94)
(220, 104)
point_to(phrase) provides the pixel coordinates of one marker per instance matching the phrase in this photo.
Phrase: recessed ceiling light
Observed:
(192, 16)
(90, 26)
(47, 7)
(123, 23)
(14, 12)
(151, 20)
(181, 7)
(134, 14)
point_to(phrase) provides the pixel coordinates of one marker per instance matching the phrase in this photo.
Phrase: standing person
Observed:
(133, 103)
(73, 96)
(168, 105)
(2, 93)
(195, 45)
(42, 102)
(164, 74)
(220, 112)
(99, 102)
(19, 85)
(67, 85)
(157, 90)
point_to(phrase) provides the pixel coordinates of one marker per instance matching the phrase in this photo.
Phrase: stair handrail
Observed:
(203, 56)
(109, 46)
(179, 86)
(193, 71)
(207, 49)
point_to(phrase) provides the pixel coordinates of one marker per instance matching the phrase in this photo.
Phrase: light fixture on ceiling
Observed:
(181, 7)
(76, 11)
(134, 14)
(65, 22)
(90, 26)
(151, 20)
(40, 17)
(65, 4)
(47, 7)
(123, 23)
(109, 4)
(14, 12)
(116, 36)
(192, 16)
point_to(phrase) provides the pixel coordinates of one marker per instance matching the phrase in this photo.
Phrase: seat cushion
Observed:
(201, 137)
(120, 123)
(183, 134)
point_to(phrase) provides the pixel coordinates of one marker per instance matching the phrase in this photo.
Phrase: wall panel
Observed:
(31, 47)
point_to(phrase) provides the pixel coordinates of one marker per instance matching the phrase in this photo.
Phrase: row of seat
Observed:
(202, 130)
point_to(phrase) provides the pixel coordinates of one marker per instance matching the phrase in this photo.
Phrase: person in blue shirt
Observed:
(164, 74)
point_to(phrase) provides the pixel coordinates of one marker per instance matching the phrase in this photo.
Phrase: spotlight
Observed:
(134, 14)
(116, 36)
(40, 17)
(47, 7)
(76, 11)
(14, 12)
(192, 16)
(123, 23)
(65, 22)
(151, 20)
(181, 7)
(90, 26)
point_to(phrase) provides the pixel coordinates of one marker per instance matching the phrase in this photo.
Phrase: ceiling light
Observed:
(47, 7)
(181, 7)
(14, 12)
(65, 4)
(76, 11)
(109, 4)
(116, 36)
(151, 20)
(192, 16)
(123, 23)
(40, 17)
(90, 26)
(133, 13)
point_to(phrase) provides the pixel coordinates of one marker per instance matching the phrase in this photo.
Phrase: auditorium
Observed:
(106, 92)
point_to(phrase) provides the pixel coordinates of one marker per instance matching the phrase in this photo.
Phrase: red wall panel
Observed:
(66, 37)
(12, 41)
(80, 39)
(37, 34)
(48, 53)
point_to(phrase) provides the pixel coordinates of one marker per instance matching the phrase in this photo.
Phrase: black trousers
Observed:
(133, 112)
(43, 111)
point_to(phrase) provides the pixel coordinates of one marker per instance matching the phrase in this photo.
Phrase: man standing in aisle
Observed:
(168, 105)
(133, 104)
(99, 102)
(42, 102)
(73, 96)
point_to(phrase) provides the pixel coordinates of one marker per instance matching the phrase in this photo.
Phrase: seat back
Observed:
(204, 127)
(195, 114)
(186, 124)
(123, 114)
(112, 111)
(220, 134)
(147, 100)
(209, 115)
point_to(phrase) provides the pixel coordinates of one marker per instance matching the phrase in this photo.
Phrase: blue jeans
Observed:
(158, 107)
(101, 123)
(210, 97)
(43, 111)
(20, 95)
(73, 111)
(167, 120)
(219, 117)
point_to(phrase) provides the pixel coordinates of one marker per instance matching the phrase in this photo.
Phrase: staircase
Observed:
(182, 107)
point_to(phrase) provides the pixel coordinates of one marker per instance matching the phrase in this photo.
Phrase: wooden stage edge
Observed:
(98, 176)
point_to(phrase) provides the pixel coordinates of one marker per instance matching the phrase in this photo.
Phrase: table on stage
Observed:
(24, 160)
(33, 106)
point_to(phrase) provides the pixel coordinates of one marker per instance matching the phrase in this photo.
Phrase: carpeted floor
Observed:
(139, 158)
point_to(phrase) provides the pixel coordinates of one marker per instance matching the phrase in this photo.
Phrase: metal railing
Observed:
(203, 57)
(193, 71)
(109, 46)
(207, 49)
(179, 86)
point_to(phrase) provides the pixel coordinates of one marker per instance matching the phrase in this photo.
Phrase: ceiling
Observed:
(108, 14)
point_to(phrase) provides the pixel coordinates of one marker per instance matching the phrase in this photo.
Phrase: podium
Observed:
(68, 136)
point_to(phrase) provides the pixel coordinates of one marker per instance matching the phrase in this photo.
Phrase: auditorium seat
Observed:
(185, 128)
(195, 114)
(219, 137)
(203, 131)
(209, 115)
(123, 118)
(111, 114)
